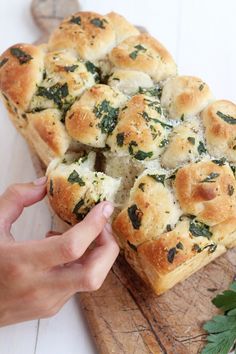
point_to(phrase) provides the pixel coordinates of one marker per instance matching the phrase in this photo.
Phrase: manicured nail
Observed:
(107, 210)
(40, 181)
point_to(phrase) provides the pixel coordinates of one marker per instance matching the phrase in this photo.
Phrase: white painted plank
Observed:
(18, 339)
(64, 334)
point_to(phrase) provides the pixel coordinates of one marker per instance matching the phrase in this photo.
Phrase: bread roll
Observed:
(103, 107)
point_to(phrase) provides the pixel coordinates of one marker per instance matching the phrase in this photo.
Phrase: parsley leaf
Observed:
(138, 48)
(22, 56)
(201, 148)
(108, 116)
(197, 229)
(76, 20)
(75, 178)
(56, 93)
(120, 139)
(210, 178)
(135, 216)
(222, 328)
(159, 178)
(97, 22)
(227, 118)
(3, 61)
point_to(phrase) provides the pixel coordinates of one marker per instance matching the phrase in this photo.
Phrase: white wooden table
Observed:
(201, 36)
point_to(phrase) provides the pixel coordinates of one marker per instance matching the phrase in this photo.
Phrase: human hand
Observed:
(38, 277)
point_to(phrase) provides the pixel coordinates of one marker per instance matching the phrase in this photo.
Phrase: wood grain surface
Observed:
(124, 315)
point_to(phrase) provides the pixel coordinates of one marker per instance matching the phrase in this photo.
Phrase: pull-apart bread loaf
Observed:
(103, 107)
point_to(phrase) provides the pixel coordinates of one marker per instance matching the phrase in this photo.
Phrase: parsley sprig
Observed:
(222, 328)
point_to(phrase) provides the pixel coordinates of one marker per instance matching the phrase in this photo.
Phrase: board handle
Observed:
(49, 13)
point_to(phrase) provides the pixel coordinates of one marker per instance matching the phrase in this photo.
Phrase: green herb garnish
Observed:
(70, 68)
(211, 248)
(3, 61)
(210, 178)
(133, 247)
(201, 148)
(139, 155)
(152, 91)
(141, 186)
(227, 118)
(75, 178)
(138, 48)
(97, 22)
(120, 139)
(77, 208)
(93, 70)
(76, 20)
(142, 155)
(222, 328)
(196, 248)
(230, 189)
(198, 229)
(148, 119)
(51, 188)
(191, 140)
(201, 87)
(163, 143)
(22, 56)
(220, 162)
(135, 216)
(56, 93)
(171, 254)
(108, 116)
(180, 246)
(158, 178)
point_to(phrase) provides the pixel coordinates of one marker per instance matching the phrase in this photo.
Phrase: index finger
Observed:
(70, 246)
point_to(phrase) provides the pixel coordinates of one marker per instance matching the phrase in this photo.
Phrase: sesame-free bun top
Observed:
(144, 53)
(91, 34)
(93, 116)
(206, 190)
(219, 120)
(185, 96)
(141, 129)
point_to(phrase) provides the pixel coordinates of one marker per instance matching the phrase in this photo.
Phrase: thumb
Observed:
(19, 196)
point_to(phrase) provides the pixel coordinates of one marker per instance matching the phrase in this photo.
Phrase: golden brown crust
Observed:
(174, 256)
(158, 252)
(150, 209)
(22, 71)
(47, 134)
(225, 232)
(88, 117)
(139, 131)
(206, 190)
(144, 53)
(219, 120)
(123, 29)
(183, 145)
(73, 189)
(185, 96)
(89, 33)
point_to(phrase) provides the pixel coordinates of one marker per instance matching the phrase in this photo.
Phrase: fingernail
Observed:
(108, 228)
(40, 181)
(107, 210)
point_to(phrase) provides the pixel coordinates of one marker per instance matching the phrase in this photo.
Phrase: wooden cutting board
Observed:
(124, 315)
